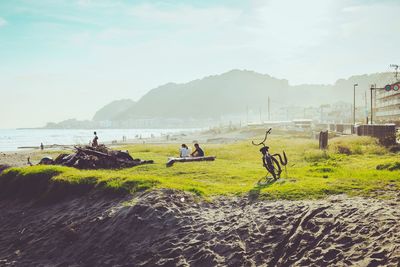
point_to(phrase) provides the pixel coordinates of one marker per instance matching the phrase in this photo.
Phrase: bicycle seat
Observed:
(264, 150)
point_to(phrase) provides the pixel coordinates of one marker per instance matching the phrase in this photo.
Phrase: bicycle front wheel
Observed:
(273, 167)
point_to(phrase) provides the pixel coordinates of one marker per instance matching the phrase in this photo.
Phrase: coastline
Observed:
(13, 139)
(57, 221)
(216, 136)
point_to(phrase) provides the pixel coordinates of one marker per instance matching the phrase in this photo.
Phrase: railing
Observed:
(388, 113)
(386, 103)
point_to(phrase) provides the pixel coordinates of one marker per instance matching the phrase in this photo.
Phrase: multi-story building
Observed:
(387, 109)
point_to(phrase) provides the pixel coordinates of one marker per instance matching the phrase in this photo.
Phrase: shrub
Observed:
(394, 149)
(196, 191)
(349, 145)
(343, 150)
(314, 155)
(389, 166)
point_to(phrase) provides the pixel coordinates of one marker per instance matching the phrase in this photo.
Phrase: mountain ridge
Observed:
(232, 92)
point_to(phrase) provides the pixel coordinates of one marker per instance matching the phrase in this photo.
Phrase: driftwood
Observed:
(99, 157)
(171, 161)
(46, 146)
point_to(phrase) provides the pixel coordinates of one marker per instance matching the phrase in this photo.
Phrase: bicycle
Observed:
(270, 162)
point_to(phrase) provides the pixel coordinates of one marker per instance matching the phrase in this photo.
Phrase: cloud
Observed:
(267, 26)
(134, 46)
(186, 15)
(99, 3)
(3, 22)
(84, 2)
(80, 39)
(324, 37)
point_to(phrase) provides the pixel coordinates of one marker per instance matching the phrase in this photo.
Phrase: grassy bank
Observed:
(349, 166)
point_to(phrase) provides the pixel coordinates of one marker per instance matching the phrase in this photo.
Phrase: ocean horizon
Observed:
(12, 139)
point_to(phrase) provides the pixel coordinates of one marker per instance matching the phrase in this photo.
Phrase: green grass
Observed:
(311, 173)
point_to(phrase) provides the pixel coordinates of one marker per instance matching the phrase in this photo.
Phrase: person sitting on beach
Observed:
(198, 152)
(95, 142)
(184, 151)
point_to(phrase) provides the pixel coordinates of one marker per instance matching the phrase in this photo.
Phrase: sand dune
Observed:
(170, 228)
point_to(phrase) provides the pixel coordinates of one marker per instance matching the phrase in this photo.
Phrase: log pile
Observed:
(97, 158)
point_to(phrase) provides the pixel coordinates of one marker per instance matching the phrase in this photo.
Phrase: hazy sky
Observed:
(63, 59)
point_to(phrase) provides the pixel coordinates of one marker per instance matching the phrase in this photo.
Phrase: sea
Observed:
(12, 139)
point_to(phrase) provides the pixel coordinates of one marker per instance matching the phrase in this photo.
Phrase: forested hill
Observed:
(231, 93)
(112, 110)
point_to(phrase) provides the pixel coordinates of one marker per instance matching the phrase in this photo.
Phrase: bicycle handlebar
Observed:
(265, 139)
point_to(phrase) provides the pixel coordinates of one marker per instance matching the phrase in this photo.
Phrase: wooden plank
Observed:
(171, 161)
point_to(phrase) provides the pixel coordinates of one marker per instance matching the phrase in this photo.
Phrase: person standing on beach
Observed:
(41, 146)
(198, 152)
(95, 143)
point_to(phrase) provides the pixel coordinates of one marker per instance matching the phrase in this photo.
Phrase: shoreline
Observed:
(12, 140)
(19, 157)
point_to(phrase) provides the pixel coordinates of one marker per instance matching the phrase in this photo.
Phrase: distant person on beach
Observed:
(198, 152)
(29, 161)
(95, 143)
(41, 146)
(184, 151)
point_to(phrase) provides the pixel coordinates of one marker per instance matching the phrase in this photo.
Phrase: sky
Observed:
(62, 59)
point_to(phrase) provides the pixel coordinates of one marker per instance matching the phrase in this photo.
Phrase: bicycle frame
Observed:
(270, 162)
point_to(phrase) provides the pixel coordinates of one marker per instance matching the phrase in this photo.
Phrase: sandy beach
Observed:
(57, 224)
(171, 228)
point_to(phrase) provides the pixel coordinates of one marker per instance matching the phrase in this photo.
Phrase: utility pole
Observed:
(269, 108)
(366, 108)
(372, 111)
(354, 103)
(247, 114)
(396, 69)
(322, 111)
(373, 99)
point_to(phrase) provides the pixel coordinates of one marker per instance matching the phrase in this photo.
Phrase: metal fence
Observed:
(386, 133)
